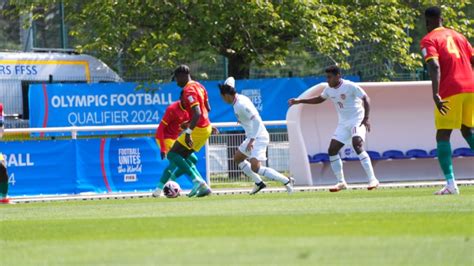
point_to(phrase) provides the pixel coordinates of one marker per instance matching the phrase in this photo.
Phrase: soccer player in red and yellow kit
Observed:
(174, 121)
(448, 55)
(195, 136)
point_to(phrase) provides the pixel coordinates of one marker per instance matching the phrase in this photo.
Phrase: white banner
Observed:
(41, 69)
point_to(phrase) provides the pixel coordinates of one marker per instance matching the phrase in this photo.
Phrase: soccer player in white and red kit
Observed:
(254, 147)
(352, 105)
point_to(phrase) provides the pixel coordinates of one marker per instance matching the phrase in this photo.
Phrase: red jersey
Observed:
(196, 95)
(170, 125)
(454, 53)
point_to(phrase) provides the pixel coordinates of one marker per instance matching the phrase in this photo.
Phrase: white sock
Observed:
(247, 169)
(367, 164)
(336, 165)
(273, 175)
(451, 182)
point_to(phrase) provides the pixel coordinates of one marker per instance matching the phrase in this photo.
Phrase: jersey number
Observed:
(341, 105)
(452, 48)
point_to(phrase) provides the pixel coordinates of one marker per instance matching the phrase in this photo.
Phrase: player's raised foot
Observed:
(289, 185)
(5, 201)
(338, 187)
(373, 184)
(203, 191)
(157, 193)
(448, 190)
(258, 187)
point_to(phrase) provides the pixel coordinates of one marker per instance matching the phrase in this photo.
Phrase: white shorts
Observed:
(345, 132)
(259, 150)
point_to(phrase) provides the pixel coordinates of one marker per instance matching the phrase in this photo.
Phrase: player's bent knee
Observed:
(443, 134)
(332, 151)
(358, 146)
(239, 157)
(358, 149)
(255, 168)
(255, 165)
(334, 147)
(181, 150)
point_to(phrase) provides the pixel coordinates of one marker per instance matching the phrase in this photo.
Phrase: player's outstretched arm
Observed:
(314, 100)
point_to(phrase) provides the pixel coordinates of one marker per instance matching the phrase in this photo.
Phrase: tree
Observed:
(152, 34)
(9, 30)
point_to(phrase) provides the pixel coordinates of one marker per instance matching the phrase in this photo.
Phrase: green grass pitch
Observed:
(382, 227)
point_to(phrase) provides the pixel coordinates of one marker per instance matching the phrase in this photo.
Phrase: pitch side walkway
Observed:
(227, 191)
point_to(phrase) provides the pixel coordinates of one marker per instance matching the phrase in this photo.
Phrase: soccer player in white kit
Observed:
(257, 138)
(352, 105)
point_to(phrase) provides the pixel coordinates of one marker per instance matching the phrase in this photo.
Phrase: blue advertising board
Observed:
(86, 165)
(99, 104)
(40, 167)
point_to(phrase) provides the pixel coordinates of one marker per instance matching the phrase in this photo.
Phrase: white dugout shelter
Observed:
(401, 143)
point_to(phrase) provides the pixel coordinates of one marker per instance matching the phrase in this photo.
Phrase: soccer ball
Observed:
(171, 189)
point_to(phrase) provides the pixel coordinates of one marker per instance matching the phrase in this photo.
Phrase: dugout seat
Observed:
(418, 153)
(393, 154)
(319, 158)
(374, 155)
(324, 157)
(463, 152)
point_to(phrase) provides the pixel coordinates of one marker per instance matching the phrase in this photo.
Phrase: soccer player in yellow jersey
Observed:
(448, 55)
(196, 135)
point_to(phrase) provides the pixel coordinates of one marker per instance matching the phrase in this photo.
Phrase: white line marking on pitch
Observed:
(218, 192)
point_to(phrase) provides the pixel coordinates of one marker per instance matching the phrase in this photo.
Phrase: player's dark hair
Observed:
(226, 89)
(182, 69)
(433, 12)
(335, 70)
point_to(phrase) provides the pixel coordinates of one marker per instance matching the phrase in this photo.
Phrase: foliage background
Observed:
(144, 40)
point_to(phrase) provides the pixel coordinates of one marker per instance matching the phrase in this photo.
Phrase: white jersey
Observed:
(248, 117)
(348, 101)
